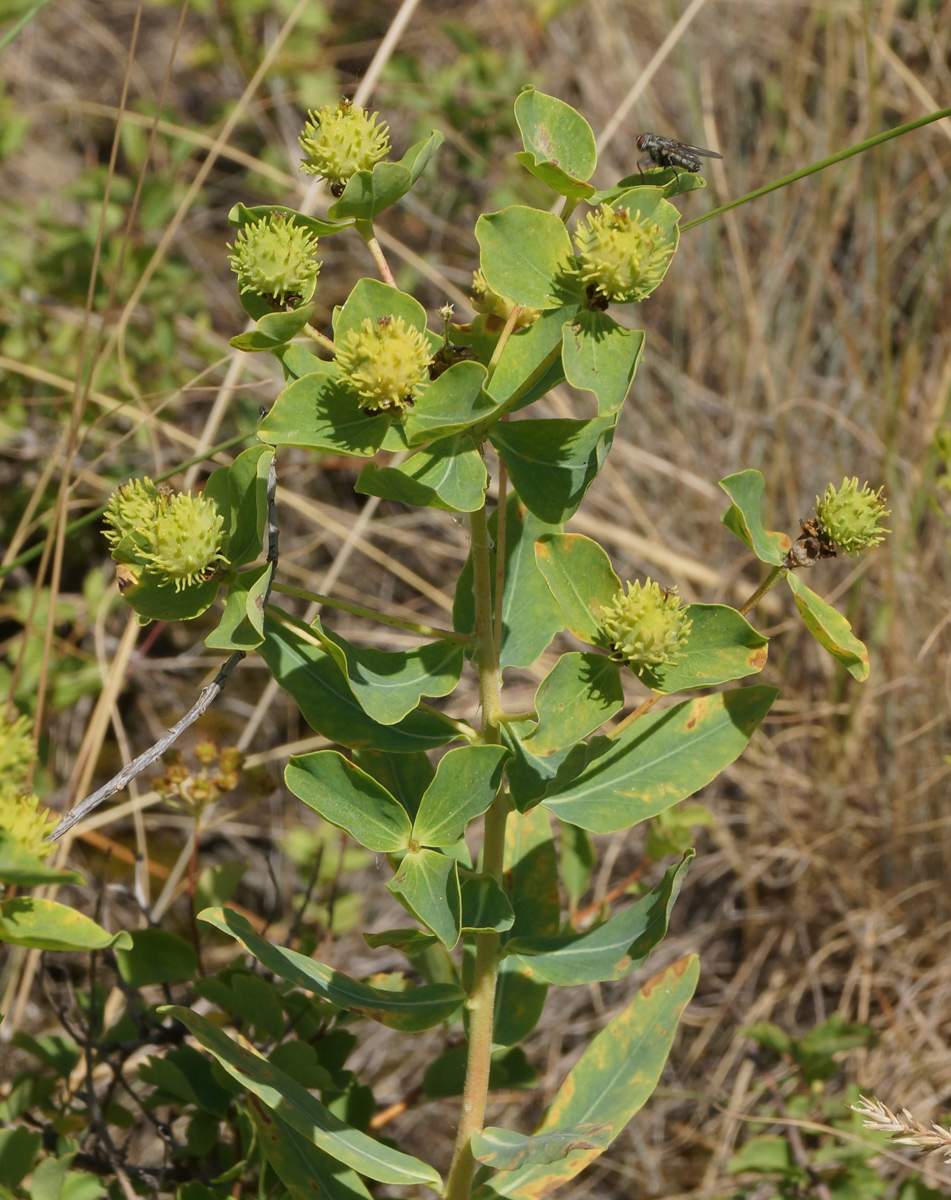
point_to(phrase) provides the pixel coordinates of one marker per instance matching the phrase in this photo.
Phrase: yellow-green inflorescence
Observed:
(275, 258)
(175, 535)
(621, 256)
(341, 139)
(20, 813)
(386, 362)
(646, 627)
(851, 516)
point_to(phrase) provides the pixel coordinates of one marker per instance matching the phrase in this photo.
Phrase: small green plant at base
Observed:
(411, 780)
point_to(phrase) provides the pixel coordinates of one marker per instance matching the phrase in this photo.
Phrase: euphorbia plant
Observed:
(464, 810)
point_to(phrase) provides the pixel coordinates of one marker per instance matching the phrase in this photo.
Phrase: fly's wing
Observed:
(699, 151)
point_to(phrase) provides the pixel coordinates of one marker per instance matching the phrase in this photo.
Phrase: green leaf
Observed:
(407, 941)
(410, 1011)
(742, 518)
(466, 783)
(327, 702)
(18, 866)
(722, 646)
(240, 493)
(610, 951)
(371, 299)
(581, 579)
(554, 461)
(530, 365)
(531, 871)
(578, 861)
(580, 693)
(350, 799)
(46, 925)
(19, 1148)
(659, 760)
(523, 252)
(559, 145)
(242, 623)
(530, 616)
(368, 193)
(450, 474)
(240, 215)
(156, 956)
(601, 356)
(405, 776)
(612, 1080)
(528, 775)
(427, 885)
(302, 1111)
(388, 684)
(452, 403)
(319, 412)
(830, 629)
(485, 907)
(504, 1149)
(274, 329)
(304, 1170)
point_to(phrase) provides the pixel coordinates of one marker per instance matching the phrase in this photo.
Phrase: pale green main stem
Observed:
(481, 1002)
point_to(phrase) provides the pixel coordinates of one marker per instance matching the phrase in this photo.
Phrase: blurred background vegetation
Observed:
(807, 334)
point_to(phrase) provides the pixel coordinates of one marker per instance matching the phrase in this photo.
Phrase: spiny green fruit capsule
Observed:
(646, 627)
(341, 139)
(175, 535)
(385, 362)
(620, 256)
(274, 258)
(497, 308)
(851, 516)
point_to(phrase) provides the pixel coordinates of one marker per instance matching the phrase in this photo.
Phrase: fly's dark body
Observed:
(665, 152)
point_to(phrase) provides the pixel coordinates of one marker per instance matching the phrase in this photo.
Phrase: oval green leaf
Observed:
(350, 799)
(523, 252)
(830, 629)
(553, 461)
(659, 760)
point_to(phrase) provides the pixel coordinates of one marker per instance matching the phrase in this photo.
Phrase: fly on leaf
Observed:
(665, 152)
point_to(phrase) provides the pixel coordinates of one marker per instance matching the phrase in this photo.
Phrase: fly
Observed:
(665, 152)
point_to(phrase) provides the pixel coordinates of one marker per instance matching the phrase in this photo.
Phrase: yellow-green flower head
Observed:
(341, 139)
(17, 752)
(484, 300)
(646, 627)
(275, 258)
(175, 535)
(21, 817)
(385, 362)
(851, 516)
(620, 256)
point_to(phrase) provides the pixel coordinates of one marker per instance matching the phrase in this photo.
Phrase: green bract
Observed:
(274, 258)
(341, 139)
(851, 516)
(621, 256)
(646, 626)
(385, 362)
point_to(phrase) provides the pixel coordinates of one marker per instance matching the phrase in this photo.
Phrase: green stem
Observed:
(768, 583)
(365, 230)
(448, 635)
(320, 338)
(481, 1001)
(821, 165)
